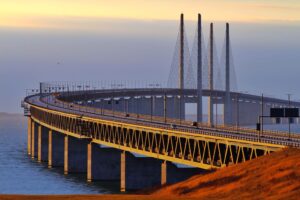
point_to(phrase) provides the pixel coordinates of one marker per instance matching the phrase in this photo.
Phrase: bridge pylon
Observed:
(210, 76)
(199, 70)
(227, 103)
(181, 68)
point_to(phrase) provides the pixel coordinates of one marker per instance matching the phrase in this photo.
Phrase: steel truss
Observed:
(202, 151)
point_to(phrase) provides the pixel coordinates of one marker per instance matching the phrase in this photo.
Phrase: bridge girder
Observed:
(198, 150)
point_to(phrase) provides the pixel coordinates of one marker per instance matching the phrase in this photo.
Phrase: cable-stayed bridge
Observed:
(140, 135)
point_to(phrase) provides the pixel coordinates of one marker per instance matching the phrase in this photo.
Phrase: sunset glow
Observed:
(45, 13)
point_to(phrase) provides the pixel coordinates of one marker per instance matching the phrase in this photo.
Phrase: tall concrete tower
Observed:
(227, 106)
(181, 53)
(199, 71)
(211, 76)
(181, 68)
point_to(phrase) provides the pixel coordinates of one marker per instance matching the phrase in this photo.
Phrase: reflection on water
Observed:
(20, 175)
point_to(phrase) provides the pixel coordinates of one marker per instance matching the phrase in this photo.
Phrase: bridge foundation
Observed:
(102, 163)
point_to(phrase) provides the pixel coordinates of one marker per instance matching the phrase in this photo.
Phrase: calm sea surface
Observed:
(20, 175)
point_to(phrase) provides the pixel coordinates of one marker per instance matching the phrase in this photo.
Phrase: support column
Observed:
(75, 155)
(103, 163)
(211, 80)
(89, 162)
(227, 107)
(140, 172)
(39, 143)
(123, 171)
(29, 136)
(199, 72)
(66, 154)
(164, 172)
(50, 149)
(32, 139)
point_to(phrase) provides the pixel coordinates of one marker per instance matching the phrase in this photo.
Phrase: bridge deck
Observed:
(201, 146)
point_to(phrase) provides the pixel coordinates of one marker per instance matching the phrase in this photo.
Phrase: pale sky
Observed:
(134, 40)
(46, 13)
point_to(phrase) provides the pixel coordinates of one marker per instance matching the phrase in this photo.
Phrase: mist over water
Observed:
(21, 175)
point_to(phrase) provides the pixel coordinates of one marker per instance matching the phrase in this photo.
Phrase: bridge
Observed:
(140, 136)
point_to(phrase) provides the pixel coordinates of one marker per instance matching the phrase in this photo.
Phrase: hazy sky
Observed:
(134, 40)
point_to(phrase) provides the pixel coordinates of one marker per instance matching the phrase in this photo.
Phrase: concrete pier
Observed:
(29, 136)
(32, 139)
(139, 172)
(50, 149)
(102, 163)
(145, 172)
(75, 155)
(39, 143)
